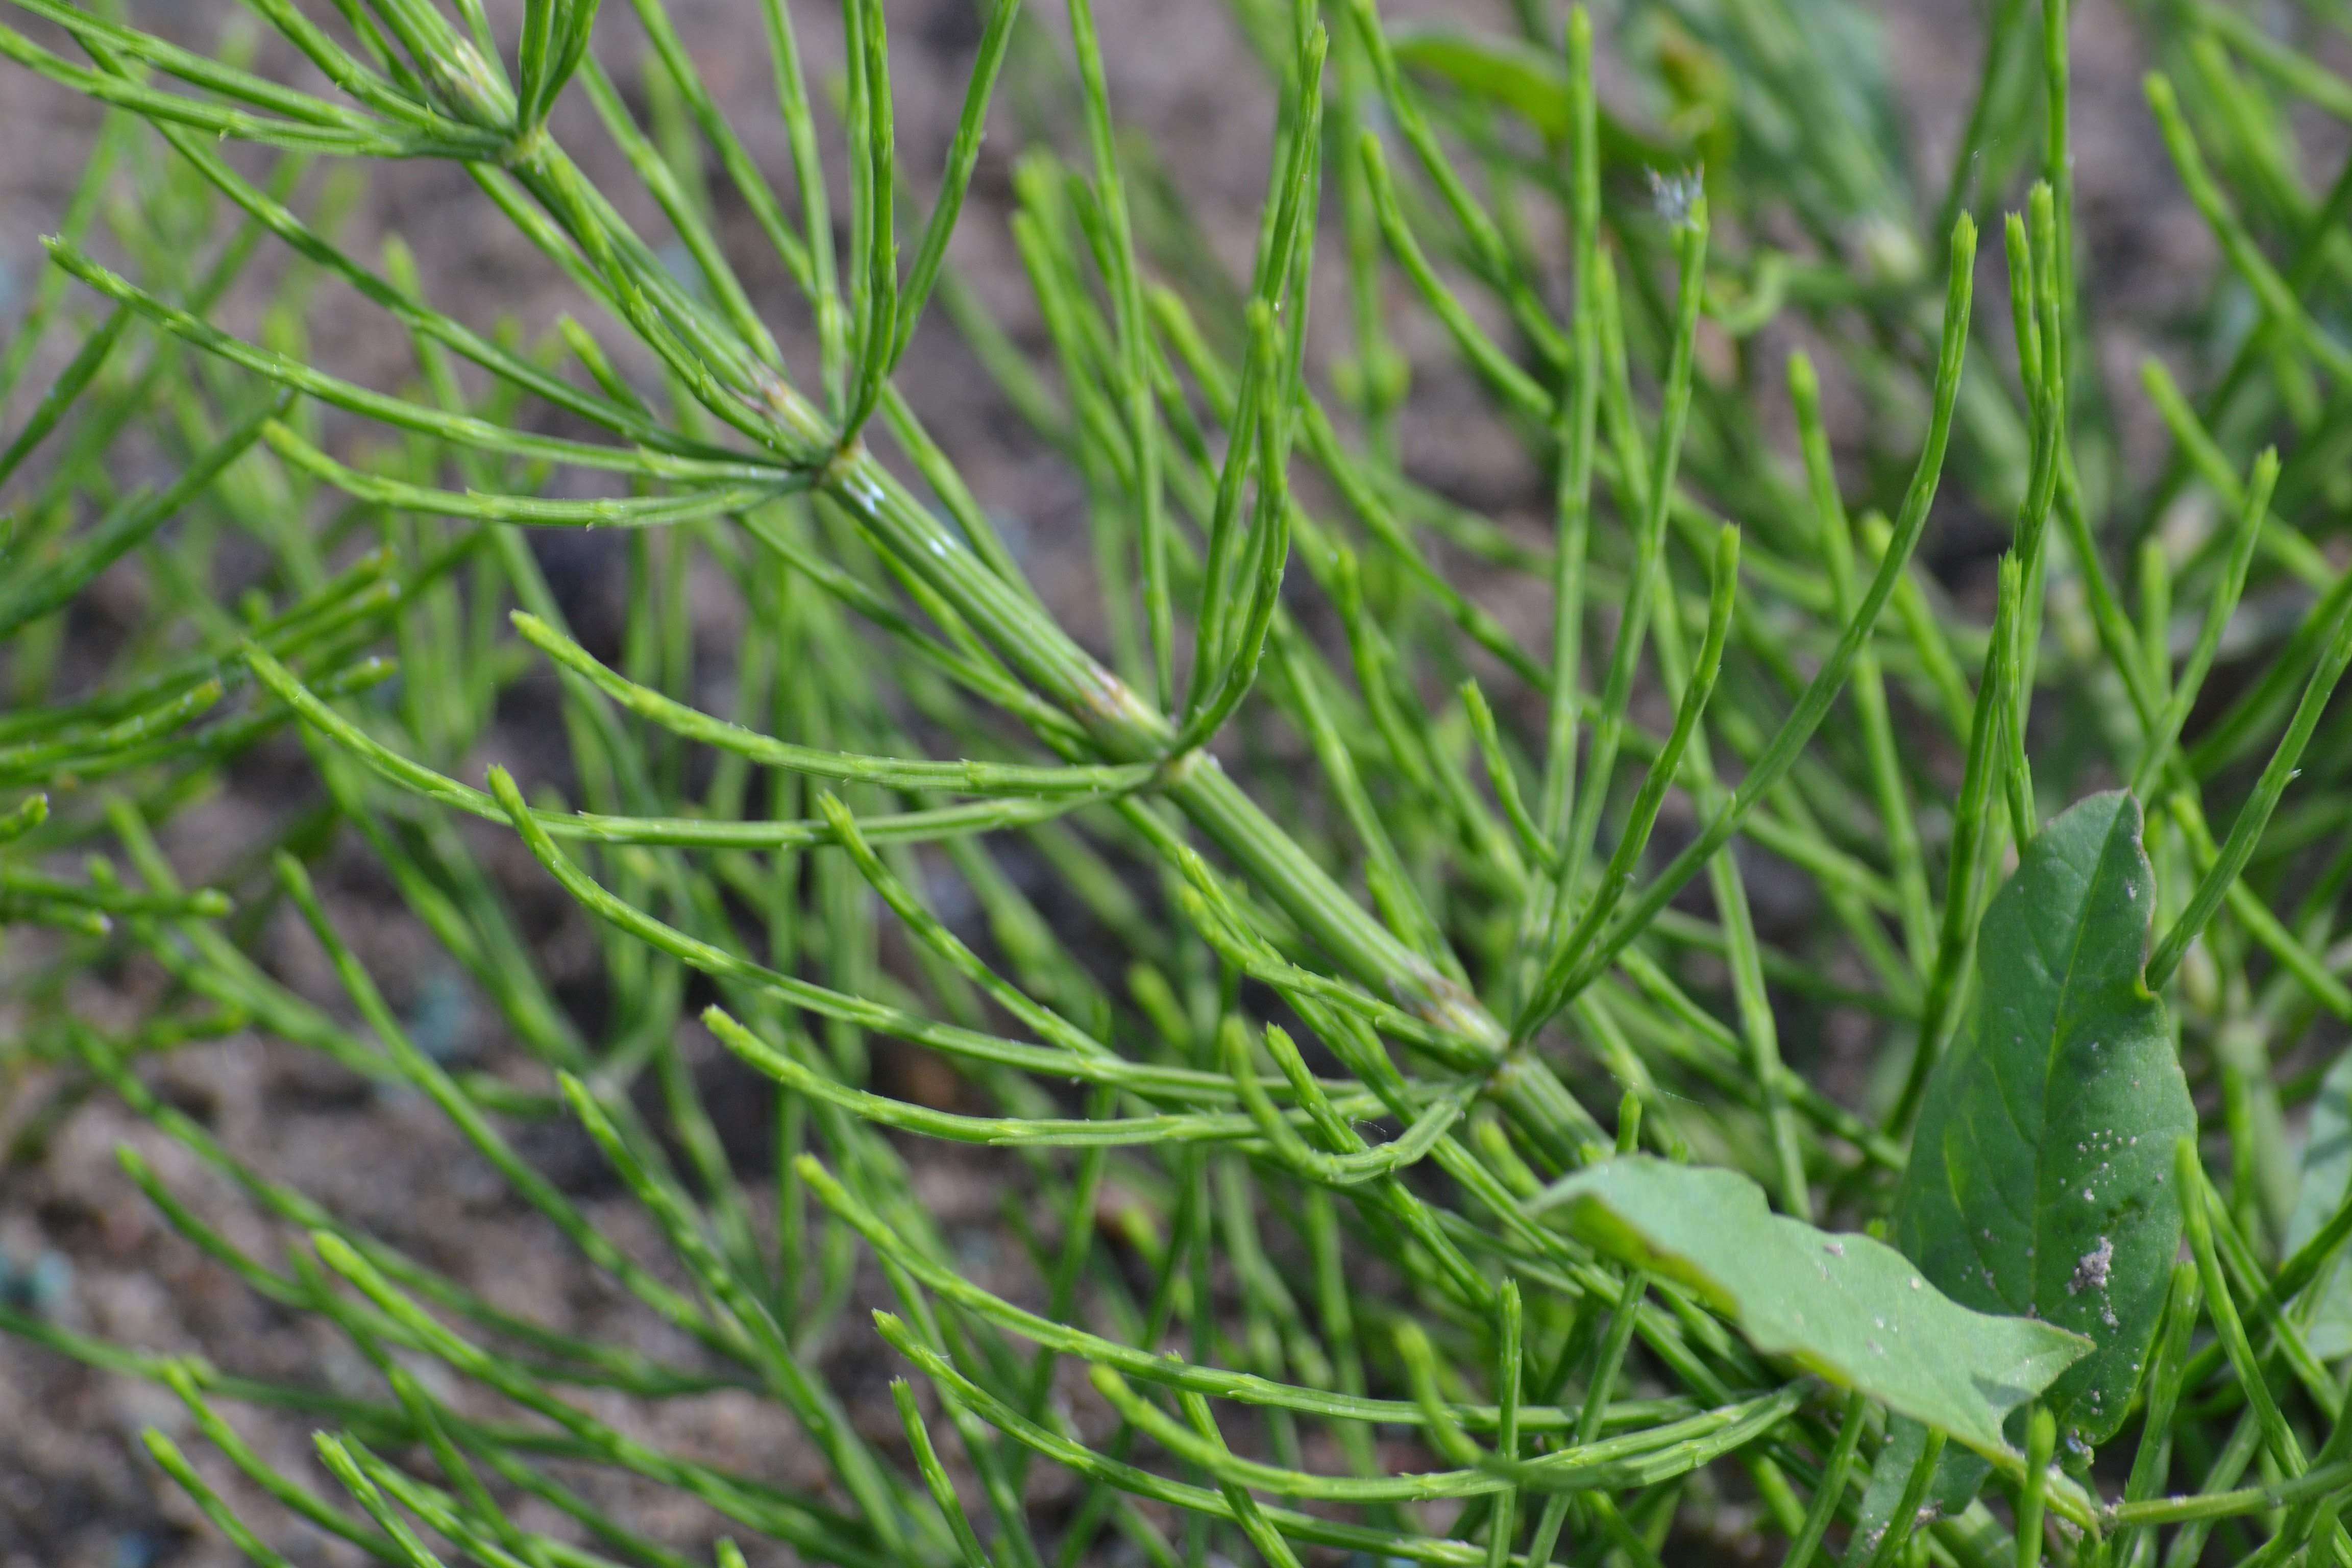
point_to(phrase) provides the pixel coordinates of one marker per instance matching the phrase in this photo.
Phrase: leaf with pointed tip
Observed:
(1850, 1308)
(2040, 1178)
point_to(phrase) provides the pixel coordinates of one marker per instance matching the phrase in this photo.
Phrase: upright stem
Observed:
(1125, 726)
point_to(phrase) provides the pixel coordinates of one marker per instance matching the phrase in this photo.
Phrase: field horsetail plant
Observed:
(1667, 1023)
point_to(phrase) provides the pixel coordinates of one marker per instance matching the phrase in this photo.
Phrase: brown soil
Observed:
(76, 1239)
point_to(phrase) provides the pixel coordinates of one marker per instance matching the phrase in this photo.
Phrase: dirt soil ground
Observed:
(78, 1241)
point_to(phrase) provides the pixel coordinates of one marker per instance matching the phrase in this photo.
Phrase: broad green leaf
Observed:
(1850, 1308)
(2040, 1179)
(1959, 1476)
(1529, 82)
(2324, 1310)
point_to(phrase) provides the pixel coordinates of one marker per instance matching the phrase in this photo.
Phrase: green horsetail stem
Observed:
(1499, 676)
